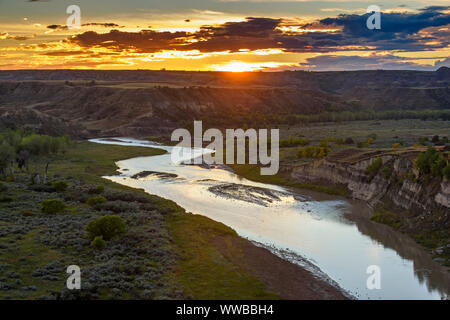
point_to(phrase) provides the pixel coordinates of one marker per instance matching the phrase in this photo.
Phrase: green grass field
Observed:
(388, 131)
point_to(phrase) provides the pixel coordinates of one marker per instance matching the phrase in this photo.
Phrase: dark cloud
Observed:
(7, 36)
(372, 62)
(443, 63)
(399, 31)
(57, 27)
(19, 38)
(63, 53)
(103, 24)
(96, 24)
(142, 41)
(392, 24)
(253, 34)
(251, 27)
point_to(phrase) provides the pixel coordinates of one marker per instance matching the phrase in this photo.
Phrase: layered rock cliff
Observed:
(395, 182)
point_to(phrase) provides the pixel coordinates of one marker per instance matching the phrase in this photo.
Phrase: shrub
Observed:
(96, 200)
(41, 188)
(387, 172)
(423, 141)
(3, 187)
(314, 151)
(324, 144)
(435, 139)
(52, 206)
(360, 144)
(96, 189)
(431, 162)
(112, 195)
(6, 199)
(60, 186)
(98, 242)
(108, 227)
(349, 141)
(372, 169)
(446, 171)
(437, 167)
(386, 217)
(292, 142)
(118, 206)
(27, 213)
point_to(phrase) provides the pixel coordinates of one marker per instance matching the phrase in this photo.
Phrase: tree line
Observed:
(30, 152)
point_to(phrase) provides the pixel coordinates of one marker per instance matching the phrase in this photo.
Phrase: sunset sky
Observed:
(224, 35)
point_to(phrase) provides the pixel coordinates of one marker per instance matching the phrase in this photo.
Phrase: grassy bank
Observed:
(166, 252)
(91, 161)
(204, 271)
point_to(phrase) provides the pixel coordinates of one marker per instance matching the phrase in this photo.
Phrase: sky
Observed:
(224, 35)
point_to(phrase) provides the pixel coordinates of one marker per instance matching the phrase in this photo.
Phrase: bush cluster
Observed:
(372, 169)
(52, 206)
(432, 162)
(107, 226)
(96, 200)
(98, 242)
(320, 151)
(60, 186)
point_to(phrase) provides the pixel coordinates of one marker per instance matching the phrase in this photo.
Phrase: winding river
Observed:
(331, 236)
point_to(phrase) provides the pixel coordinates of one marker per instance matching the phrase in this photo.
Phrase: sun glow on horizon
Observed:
(240, 66)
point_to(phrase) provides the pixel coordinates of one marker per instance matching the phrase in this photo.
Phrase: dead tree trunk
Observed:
(45, 173)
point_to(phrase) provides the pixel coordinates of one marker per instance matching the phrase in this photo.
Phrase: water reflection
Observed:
(426, 270)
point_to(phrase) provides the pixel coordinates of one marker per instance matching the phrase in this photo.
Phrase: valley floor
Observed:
(167, 253)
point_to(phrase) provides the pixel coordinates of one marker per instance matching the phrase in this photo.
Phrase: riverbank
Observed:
(428, 227)
(186, 256)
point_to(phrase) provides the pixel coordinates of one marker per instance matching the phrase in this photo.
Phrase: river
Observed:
(331, 236)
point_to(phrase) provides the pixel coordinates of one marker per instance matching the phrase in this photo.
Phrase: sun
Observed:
(236, 66)
(240, 66)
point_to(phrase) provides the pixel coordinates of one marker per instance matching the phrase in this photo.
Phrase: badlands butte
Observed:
(353, 119)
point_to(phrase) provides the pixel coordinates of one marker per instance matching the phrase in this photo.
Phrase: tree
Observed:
(373, 168)
(431, 162)
(435, 139)
(446, 171)
(7, 154)
(322, 153)
(40, 149)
